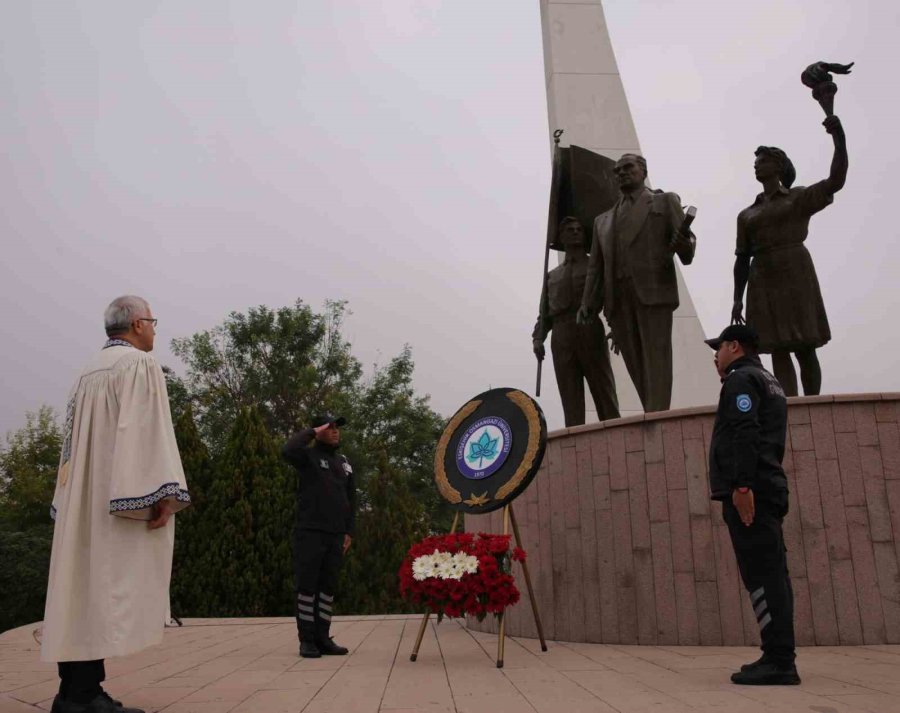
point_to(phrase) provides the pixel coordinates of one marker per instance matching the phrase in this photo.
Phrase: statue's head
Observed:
(772, 161)
(571, 233)
(631, 171)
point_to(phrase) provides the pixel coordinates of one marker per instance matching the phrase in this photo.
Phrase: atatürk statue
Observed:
(632, 257)
(580, 351)
(784, 303)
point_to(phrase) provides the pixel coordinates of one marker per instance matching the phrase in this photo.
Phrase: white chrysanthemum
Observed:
(443, 565)
(442, 569)
(422, 567)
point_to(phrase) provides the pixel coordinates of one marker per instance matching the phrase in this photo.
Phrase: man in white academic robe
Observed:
(120, 481)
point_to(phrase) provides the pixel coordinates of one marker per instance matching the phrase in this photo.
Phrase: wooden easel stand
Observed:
(508, 517)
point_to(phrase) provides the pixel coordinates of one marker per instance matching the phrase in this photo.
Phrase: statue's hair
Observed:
(122, 311)
(788, 172)
(641, 161)
(569, 219)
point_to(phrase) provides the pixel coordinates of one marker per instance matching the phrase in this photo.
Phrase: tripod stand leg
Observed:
(501, 641)
(415, 652)
(534, 609)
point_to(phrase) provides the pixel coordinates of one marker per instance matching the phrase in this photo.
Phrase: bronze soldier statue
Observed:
(579, 350)
(784, 302)
(632, 256)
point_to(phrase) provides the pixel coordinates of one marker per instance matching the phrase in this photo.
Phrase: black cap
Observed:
(742, 333)
(324, 418)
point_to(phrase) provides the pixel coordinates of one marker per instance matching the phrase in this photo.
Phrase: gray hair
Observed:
(640, 160)
(122, 311)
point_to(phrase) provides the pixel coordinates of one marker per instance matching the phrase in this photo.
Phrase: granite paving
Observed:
(252, 666)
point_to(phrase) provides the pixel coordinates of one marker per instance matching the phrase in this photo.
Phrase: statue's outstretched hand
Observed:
(737, 313)
(680, 242)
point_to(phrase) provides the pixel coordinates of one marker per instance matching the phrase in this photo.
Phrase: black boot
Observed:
(761, 660)
(329, 648)
(309, 650)
(323, 628)
(767, 673)
(103, 703)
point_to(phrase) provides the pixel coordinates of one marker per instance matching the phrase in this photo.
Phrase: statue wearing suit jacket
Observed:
(631, 274)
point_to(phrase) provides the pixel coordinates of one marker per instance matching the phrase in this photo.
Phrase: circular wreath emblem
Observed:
(490, 450)
(483, 448)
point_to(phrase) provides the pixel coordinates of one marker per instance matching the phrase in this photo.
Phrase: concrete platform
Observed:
(251, 666)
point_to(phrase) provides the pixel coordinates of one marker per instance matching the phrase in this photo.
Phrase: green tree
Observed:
(391, 420)
(241, 561)
(270, 371)
(288, 363)
(194, 525)
(392, 521)
(23, 576)
(28, 465)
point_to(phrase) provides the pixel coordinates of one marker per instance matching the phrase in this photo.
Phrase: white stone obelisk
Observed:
(586, 99)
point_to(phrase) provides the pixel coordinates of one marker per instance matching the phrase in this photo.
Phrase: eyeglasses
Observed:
(152, 321)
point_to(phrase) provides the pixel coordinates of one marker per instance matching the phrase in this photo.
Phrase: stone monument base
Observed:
(625, 546)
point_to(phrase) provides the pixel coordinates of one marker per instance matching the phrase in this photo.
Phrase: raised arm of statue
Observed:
(839, 162)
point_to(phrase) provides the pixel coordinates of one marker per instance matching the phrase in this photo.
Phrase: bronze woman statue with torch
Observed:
(784, 302)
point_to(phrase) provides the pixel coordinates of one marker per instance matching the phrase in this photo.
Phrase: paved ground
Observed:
(251, 666)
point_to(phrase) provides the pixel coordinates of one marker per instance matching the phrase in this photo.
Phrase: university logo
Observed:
(483, 448)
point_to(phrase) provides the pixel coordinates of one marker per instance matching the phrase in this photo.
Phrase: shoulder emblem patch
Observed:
(744, 403)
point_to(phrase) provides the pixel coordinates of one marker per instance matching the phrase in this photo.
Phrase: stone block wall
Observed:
(625, 546)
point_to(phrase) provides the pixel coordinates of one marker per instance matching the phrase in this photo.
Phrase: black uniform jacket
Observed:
(748, 437)
(326, 491)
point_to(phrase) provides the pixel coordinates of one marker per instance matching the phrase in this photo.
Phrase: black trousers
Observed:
(79, 681)
(317, 563)
(580, 353)
(762, 560)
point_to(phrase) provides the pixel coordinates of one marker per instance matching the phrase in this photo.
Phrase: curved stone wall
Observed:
(626, 547)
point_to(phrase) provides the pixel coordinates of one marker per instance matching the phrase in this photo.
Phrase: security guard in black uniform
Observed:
(326, 513)
(745, 473)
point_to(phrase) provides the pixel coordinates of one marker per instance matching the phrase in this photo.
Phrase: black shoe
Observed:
(309, 650)
(101, 704)
(761, 660)
(329, 648)
(767, 674)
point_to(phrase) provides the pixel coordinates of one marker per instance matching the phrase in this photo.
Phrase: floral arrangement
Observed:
(459, 574)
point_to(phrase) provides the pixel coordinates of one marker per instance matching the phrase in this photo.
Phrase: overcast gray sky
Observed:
(212, 156)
